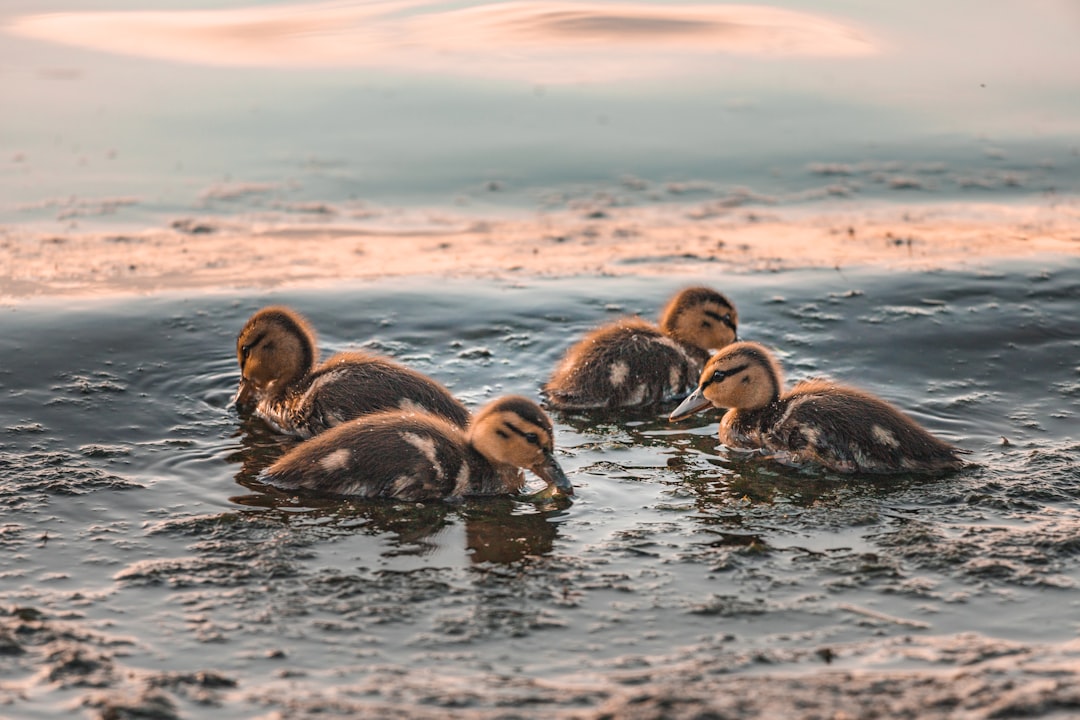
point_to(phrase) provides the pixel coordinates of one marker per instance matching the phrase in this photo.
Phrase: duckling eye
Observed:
(245, 349)
(532, 438)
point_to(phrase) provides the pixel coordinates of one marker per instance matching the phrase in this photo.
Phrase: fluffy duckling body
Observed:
(416, 456)
(281, 382)
(817, 421)
(632, 362)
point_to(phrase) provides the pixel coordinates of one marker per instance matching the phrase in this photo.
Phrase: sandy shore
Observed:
(207, 253)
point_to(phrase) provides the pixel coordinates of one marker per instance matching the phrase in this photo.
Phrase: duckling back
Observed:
(417, 456)
(406, 456)
(351, 385)
(631, 362)
(281, 383)
(818, 421)
(849, 430)
(627, 363)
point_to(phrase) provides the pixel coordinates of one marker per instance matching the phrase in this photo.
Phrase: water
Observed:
(352, 112)
(144, 571)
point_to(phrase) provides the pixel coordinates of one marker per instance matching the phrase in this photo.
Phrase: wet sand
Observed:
(210, 253)
(979, 679)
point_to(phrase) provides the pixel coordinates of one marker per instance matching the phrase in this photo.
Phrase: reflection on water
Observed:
(496, 530)
(539, 41)
(143, 562)
(259, 448)
(341, 112)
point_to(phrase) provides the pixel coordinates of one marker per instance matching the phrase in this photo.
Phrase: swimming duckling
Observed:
(632, 362)
(418, 456)
(817, 421)
(279, 380)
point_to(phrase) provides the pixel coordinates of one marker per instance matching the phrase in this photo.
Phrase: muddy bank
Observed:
(974, 678)
(706, 238)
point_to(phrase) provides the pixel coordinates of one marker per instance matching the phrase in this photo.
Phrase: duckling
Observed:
(631, 362)
(418, 456)
(817, 421)
(280, 382)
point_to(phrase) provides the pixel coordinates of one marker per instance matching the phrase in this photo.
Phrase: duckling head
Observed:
(743, 376)
(514, 431)
(702, 317)
(275, 349)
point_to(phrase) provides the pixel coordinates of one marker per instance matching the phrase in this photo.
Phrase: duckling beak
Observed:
(694, 402)
(550, 472)
(242, 399)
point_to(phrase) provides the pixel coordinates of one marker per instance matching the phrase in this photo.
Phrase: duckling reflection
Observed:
(259, 447)
(496, 531)
(632, 362)
(411, 525)
(281, 382)
(417, 456)
(743, 484)
(817, 422)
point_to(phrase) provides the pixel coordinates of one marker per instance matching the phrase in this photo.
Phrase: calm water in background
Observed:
(917, 101)
(139, 554)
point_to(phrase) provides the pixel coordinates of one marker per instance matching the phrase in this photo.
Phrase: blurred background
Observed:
(121, 114)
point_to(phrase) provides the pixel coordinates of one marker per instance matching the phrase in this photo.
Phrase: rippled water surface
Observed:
(143, 571)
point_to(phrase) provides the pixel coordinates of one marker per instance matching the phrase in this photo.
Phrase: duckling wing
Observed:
(625, 364)
(388, 455)
(848, 430)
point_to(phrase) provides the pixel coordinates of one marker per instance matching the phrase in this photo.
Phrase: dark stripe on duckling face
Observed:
(293, 324)
(245, 350)
(306, 340)
(530, 437)
(722, 375)
(702, 317)
(725, 319)
(756, 356)
(700, 296)
(526, 410)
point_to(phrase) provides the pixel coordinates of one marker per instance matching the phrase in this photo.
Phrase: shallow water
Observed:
(144, 570)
